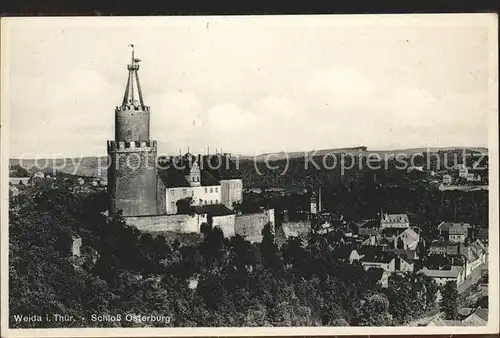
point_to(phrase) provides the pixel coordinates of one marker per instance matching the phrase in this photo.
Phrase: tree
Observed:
(373, 311)
(449, 302)
(18, 171)
(185, 206)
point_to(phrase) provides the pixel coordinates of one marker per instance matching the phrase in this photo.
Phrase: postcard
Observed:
(249, 175)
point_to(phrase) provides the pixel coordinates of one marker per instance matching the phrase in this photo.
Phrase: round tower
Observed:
(132, 172)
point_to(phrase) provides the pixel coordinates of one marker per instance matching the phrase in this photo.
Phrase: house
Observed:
(481, 234)
(444, 248)
(454, 232)
(407, 240)
(463, 171)
(455, 274)
(478, 317)
(447, 179)
(354, 256)
(437, 262)
(370, 241)
(394, 221)
(385, 261)
(438, 321)
(471, 177)
(324, 228)
(403, 264)
(475, 255)
(368, 232)
(415, 168)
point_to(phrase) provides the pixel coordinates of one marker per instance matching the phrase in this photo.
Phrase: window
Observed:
(205, 190)
(184, 191)
(172, 192)
(216, 201)
(211, 190)
(216, 189)
(205, 202)
(210, 201)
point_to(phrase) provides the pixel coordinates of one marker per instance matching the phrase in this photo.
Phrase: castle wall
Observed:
(250, 226)
(132, 178)
(161, 197)
(296, 228)
(131, 124)
(225, 223)
(176, 223)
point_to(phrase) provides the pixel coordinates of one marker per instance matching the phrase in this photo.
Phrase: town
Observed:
(245, 243)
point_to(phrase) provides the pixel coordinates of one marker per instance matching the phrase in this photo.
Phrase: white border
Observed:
(488, 21)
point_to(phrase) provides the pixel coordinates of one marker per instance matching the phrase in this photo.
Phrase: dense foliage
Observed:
(215, 282)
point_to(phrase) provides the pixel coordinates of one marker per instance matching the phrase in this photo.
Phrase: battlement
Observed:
(130, 107)
(131, 146)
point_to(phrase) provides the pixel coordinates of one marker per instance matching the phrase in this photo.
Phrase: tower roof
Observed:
(133, 93)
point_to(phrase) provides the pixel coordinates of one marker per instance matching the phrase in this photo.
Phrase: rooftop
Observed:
(174, 178)
(451, 273)
(454, 228)
(213, 210)
(395, 218)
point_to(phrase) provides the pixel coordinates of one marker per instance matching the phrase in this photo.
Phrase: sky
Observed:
(250, 85)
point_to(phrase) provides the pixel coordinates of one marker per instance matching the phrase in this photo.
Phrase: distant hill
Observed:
(353, 150)
(85, 166)
(89, 166)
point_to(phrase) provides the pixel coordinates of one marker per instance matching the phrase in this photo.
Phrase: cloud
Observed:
(230, 118)
(63, 113)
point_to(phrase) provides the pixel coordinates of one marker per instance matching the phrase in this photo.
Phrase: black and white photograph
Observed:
(249, 175)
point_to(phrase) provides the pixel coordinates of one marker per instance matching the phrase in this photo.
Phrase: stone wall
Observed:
(161, 197)
(296, 228)
(132, 179)
(176, 223)
(225, 223)
(132, 124)
(250, 226)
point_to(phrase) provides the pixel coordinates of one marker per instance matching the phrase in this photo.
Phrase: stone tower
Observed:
(132, 178)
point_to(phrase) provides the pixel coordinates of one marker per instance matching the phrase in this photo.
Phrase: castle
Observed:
(158, 194)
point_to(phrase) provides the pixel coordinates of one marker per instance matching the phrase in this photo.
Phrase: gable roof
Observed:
(409, 236)
(395, 218)
(407, 255)
(451, 273)
(207, 179)
(172, 178)
(222, 167)
(213, 210)
(479, 317)
(368, 232)
(454, 228)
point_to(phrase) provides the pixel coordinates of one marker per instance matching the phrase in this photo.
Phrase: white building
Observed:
(394, 221)
(456, 274)
(409, 238)
(454, 232)
(447, 179)
(190, 181)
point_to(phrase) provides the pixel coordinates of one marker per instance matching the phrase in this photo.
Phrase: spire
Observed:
(133, 93)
